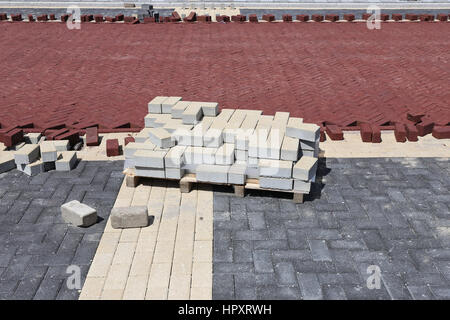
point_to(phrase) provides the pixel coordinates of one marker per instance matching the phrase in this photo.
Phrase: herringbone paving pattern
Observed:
(37, 246)
(340, 73)
(393, 213)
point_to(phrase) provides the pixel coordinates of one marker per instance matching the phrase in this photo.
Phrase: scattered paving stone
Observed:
(78, 214)
(129, 217)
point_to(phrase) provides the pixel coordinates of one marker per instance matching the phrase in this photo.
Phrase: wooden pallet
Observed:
(190, 178)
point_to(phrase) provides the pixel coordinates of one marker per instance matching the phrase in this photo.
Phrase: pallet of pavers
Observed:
(193, 142)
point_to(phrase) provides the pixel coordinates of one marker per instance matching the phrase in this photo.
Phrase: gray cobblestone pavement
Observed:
(36, 245)
(392, 213)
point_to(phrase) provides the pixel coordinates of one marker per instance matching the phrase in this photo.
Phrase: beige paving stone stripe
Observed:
(169, 259)
(353, 147)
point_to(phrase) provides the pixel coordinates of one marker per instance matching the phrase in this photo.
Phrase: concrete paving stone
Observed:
(290, 149)
(178, 109)
(48, 289)
(160, 137)
(167, 104)
(27, 155)
(31, 169)
(210, 109)
(236, 174)
(149, 158)
(305, 168)
(129, 217)
(48, 151)
(192, 114)
(275, 183)
(155, 105)
(78, 214)
(174, 173)
(302, 186)
(275, 168)
(225, 154)
(66, 161)
(61, 145)
(32, 137)
(213, 137)
(132, 147)
(309, 286)
(7, 161)
(303, 131)
(278, 293)
(213, 173)
(223, 287)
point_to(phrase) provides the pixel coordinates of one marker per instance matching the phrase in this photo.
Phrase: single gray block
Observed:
(241, 155)
(192, 114)
(225, 154)
(78, 214)
(275, 183)
(167, 105)
(33, 137)
(236, 174)
(303, 131)
(7, 161)
(175, 157)
(305, 168)
(302, 186)
(61, 145)
(154, 106)
(150, 172)
(149, 158)
(66, 161)
(174, 173)
(275, 168)
(210, 108)
(129, 217)
(48, 151)
(212, 173)
(160, 137)
(27, 154)
(309, 145)
(290, 149)
(178, 109)
(213, 138)
(31, 169)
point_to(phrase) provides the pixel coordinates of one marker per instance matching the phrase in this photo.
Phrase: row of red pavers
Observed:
(193, 17)
(403, 131)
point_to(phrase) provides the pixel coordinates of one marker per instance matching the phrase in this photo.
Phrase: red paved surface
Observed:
(323, 72)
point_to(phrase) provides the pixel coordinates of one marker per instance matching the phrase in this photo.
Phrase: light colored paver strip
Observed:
(169, 259)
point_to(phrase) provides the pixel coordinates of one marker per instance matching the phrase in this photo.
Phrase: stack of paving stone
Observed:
(36, 157)
(187, 137)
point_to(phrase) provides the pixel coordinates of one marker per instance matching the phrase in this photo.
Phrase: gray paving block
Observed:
(302, 186)
(309, 153)
(160, 137)
(66, 161)
(132, 147)
(32, 137)
(174, 173)
(309, 145)
(150, 172)
(275, 168)
(183, 137)
(319, 250)
(210, 109)
(305, 168)
(29, 153)
(7, 162)
(236, 174)
(241, 155)
(225, 154)
(48, 151)
(61, 145)
(310, 286)
(167, 104)
(129, 217)
(275, 183)
(149, 158)
(213, 138)
(290, 149)
(212, 173)
(78, 214)
(174, 158)
(32, 169)
(178, 109)
(302, 131)
(192, 114)
(154, 106)
(209, 155)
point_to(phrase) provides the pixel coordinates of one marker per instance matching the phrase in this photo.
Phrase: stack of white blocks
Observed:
(34, 158)
(227, 147)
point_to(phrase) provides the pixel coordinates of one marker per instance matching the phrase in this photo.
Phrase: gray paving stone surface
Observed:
(37, 246)
(391, 213)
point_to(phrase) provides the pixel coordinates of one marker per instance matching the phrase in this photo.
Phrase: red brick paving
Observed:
(338, 73)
